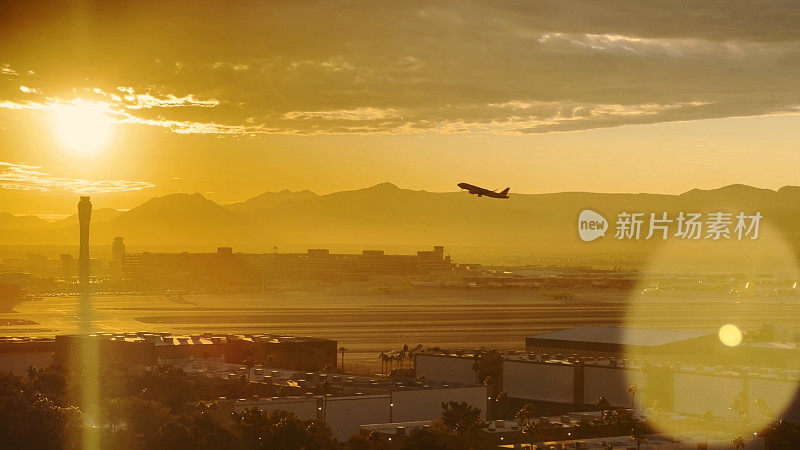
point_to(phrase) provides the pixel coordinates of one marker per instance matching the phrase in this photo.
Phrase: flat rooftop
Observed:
(642, 337)
(24, 339)
(167, 338)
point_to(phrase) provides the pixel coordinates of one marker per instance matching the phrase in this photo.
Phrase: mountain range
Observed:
(386, 215)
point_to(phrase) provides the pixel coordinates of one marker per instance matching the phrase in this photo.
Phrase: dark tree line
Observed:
(160, 410)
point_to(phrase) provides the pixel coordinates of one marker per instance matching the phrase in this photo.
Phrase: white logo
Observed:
(636, 226)
(591, 225)
(717, 225)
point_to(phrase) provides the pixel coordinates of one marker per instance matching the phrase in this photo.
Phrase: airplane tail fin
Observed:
(504, 192)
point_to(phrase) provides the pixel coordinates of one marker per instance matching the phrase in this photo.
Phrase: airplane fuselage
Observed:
(481, 192)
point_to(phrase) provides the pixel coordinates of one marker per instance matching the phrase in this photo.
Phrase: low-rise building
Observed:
(147, 349)
(616, 342)
(17, 354)
(671, 379)
(285, 351)
(344, 402)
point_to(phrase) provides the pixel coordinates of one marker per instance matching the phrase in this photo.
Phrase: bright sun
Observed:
(83, 126)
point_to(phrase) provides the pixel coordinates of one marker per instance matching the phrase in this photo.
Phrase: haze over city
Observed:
(375, 225)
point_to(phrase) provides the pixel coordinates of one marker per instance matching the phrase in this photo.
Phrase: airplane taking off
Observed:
(480, 192)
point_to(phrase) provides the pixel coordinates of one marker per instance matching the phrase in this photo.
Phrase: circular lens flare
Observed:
(711, 296)
(730, 335)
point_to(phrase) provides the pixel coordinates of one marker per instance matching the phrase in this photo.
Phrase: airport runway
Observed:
(370, 323)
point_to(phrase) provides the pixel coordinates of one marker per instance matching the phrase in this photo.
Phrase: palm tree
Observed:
(384, 359)
(249, 361)
(633, 390)
(413, 352)
(476, 366)
(343, 350)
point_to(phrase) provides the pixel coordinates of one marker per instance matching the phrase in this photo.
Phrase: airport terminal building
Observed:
(226, 269)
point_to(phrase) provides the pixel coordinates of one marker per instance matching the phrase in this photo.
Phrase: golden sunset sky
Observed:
(130, 100)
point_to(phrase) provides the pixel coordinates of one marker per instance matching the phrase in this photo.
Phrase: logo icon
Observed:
(591, 225)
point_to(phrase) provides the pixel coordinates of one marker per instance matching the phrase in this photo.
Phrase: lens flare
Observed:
(730, 335)
(733, 365)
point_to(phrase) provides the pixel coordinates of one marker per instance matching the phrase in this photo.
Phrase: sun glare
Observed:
(84, 127)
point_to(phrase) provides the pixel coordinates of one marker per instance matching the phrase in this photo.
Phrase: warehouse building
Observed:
(349, 401)
(616, 342)
(148, 349)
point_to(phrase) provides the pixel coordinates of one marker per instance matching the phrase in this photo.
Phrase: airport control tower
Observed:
(84, 216)
(87, 350)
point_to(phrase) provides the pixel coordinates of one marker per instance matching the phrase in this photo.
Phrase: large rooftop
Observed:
(643, 337)
(167, 338)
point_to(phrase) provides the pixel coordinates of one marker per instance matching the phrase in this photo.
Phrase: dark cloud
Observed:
(401, 67)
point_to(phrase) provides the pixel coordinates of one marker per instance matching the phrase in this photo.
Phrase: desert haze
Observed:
(385, 215)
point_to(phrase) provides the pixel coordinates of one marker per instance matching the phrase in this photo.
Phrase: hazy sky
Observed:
(236, 98)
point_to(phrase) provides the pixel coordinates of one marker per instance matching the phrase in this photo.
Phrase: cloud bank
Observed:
(382, 67)
(31, 178)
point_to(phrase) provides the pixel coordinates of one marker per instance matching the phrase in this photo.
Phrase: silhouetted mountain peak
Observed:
(8, 220)
(385, 186)
(738, 187)
(385, 214)
(171, 204)
(731, 190)
(269, 200)
(368, 194)
(98, 215)
(177, 199)
(285, 192)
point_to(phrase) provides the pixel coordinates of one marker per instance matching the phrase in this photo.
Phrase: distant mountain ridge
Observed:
(10, 221)
(269, 200)
(386, 214)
